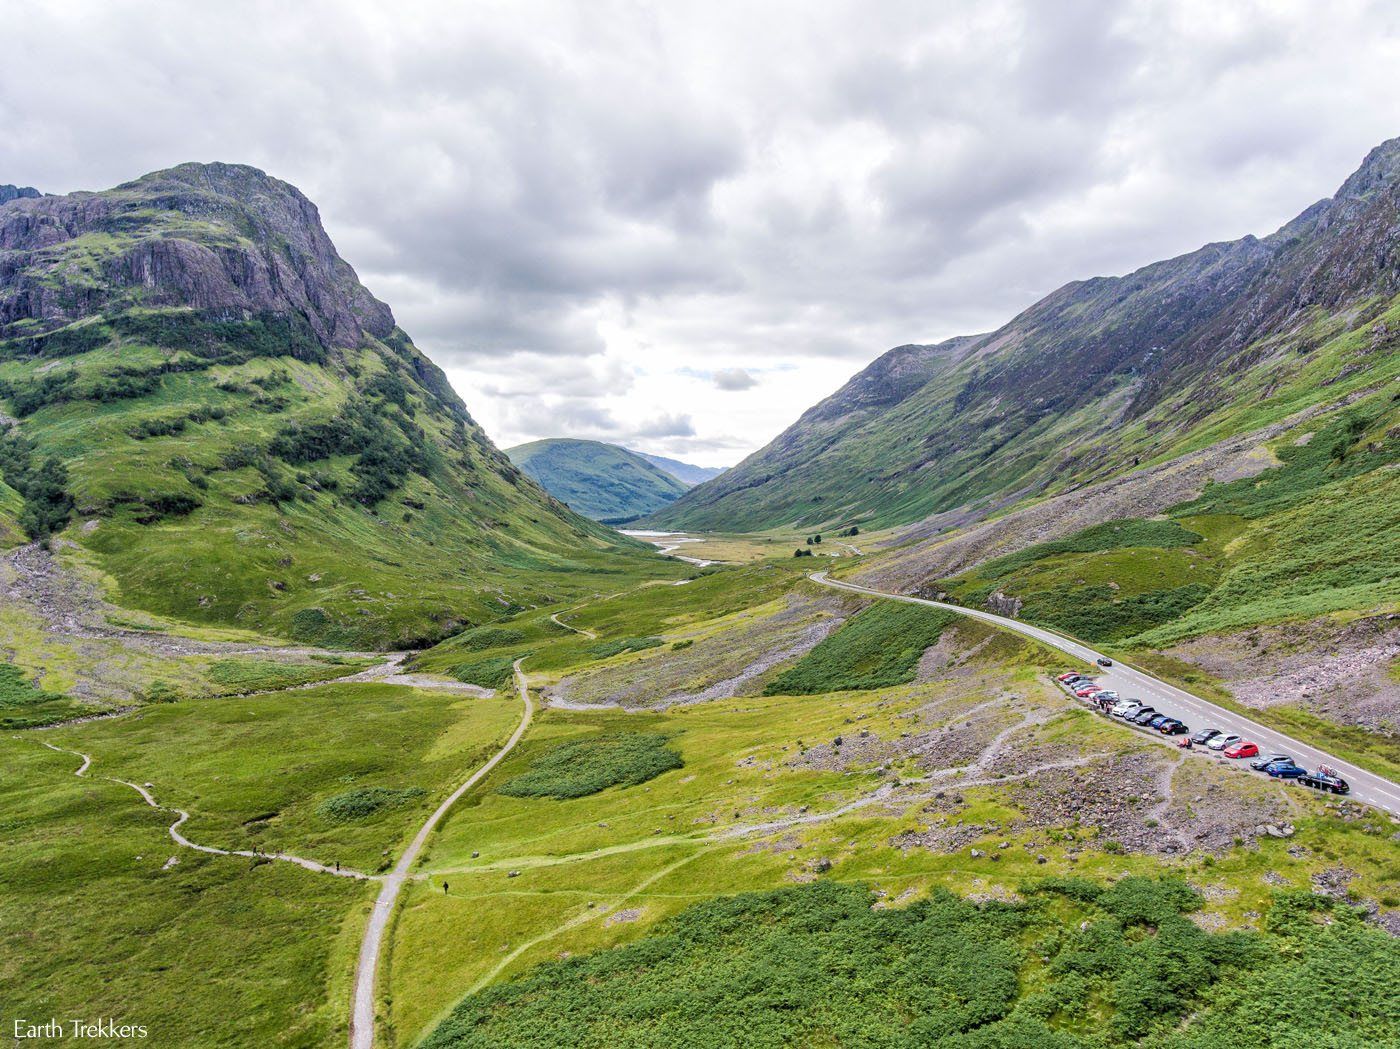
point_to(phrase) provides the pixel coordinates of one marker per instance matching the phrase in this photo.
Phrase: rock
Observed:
(513, 874)
(476, 855)
(822, 866)
(977, 853)
(1042, 858)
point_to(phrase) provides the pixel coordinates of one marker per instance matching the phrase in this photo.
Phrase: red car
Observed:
(1085, 693)
(1242, 749)
(1066, 677)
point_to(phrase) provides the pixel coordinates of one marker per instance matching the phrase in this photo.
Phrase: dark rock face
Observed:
(222, 238)
(9, 192)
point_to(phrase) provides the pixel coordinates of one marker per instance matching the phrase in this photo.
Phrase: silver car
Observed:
(1223, 741)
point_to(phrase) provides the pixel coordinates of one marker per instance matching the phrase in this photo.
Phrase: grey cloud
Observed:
(734, 379)
(666, 425)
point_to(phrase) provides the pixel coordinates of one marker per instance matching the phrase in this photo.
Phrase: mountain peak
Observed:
(225, 239)
(10, 192)
(1380, 169)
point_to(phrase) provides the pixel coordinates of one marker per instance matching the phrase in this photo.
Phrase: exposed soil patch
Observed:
(1338, 671)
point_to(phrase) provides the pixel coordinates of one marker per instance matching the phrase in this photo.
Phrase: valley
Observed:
(323, 713)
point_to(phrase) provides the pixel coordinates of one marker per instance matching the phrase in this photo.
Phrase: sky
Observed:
(676, 226)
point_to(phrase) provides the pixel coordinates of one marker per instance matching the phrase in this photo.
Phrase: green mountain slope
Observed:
(242, 433)
(600, 480)
(1098, 378)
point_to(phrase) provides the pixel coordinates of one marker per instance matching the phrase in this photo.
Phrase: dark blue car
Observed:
(1284, 770)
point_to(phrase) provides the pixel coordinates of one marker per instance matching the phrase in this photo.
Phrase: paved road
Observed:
(362, 999)
(1198, 713)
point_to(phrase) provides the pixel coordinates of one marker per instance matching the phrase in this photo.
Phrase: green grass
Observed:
(587, 766)
(255, 675)
(878, 647)
(607, 649)
(363, 802)
(24, 705)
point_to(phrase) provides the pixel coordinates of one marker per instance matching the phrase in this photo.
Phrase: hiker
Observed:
(444, 888)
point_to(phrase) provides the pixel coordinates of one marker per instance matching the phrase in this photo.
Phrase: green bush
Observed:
(1111, 535)
(25, 705)
(363, 802)
(484, 637)
(491, 672)
(604, 649)
(583, 767)
(879, 647)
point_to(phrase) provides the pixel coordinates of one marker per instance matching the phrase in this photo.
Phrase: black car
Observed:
(1172, 727)
(1325, 779)
(1262, 760)
(1104, 661)
(1143, 716)
(1205, 736)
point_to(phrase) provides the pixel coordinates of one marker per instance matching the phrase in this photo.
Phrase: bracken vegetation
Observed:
(575, 770)
(363, 802)
(1074, 967)
(879, 647)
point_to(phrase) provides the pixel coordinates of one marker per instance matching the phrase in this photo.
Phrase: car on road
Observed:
(1073, 675)
(1205, 736)
(1325, 779)
(1173, 727)
(1265, 760)
(1242, 749)
(1143, 716)
(1157, 721)
(1126, 708)
(1087, 691)
(1107, 693)
(1223, 740)
(1284, 769)
(1104, 661)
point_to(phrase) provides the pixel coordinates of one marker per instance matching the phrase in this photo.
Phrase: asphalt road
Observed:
(1130, 683)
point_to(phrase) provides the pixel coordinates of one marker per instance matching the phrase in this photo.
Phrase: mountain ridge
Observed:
(603, 481)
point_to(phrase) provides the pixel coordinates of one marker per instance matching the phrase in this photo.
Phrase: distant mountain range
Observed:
(604, 481)
(197, 389)
(687, 473)
(1097, 379)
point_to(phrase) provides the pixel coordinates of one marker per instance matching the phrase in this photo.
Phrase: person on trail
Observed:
(337, 866)
(444, 888)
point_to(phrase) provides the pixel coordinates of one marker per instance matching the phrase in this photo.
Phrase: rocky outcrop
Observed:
(222, 238)
(9, 192)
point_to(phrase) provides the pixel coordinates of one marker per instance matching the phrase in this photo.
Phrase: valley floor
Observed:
(750, 743)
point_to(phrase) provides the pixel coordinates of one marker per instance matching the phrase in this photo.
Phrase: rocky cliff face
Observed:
(222, 238)
(10, 192)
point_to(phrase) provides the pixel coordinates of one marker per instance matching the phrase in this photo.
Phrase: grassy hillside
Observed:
(1100, 377)
(601, 481)
(207, 400)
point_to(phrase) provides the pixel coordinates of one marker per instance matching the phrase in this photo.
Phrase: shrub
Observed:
(879, 647)
(583, 767)
(363, 802)
(491, 672)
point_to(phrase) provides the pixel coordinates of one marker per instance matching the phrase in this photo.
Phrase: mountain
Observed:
(1098, 378)
(687, 473)
(209, 408)
(9, 193)
(602, 481)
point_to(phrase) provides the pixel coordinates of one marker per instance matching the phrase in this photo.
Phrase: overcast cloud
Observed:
(679, 225)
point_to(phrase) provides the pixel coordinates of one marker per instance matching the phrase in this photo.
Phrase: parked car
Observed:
(1325, 779)
(1173, 727)
(1143, 716)
(1223, 740)
(1205, 736)
(1242, 749)
(1284, 769)
(1104, 661)
(1087, 691)
(1107, 693)
(1158, 720)
(1130, 711)
(1265, 760)
(1073, 675)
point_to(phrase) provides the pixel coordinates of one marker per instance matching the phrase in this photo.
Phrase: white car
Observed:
(1223, 741)
(1126, 708)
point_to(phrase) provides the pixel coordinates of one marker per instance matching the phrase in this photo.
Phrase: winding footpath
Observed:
(1366, 787)
(363, 995)
(593, 634)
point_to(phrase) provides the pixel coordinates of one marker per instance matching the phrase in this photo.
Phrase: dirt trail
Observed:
(362, 1000)
(591, 634)
(182, 816)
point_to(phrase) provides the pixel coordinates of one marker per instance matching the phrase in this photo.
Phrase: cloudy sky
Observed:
(678, 225)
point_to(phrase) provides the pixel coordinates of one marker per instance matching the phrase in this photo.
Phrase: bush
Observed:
(606, 649)
(491, 672)
(879, 647)
(363, 802)
(42, 485)
(484, 637)
(575, 770)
